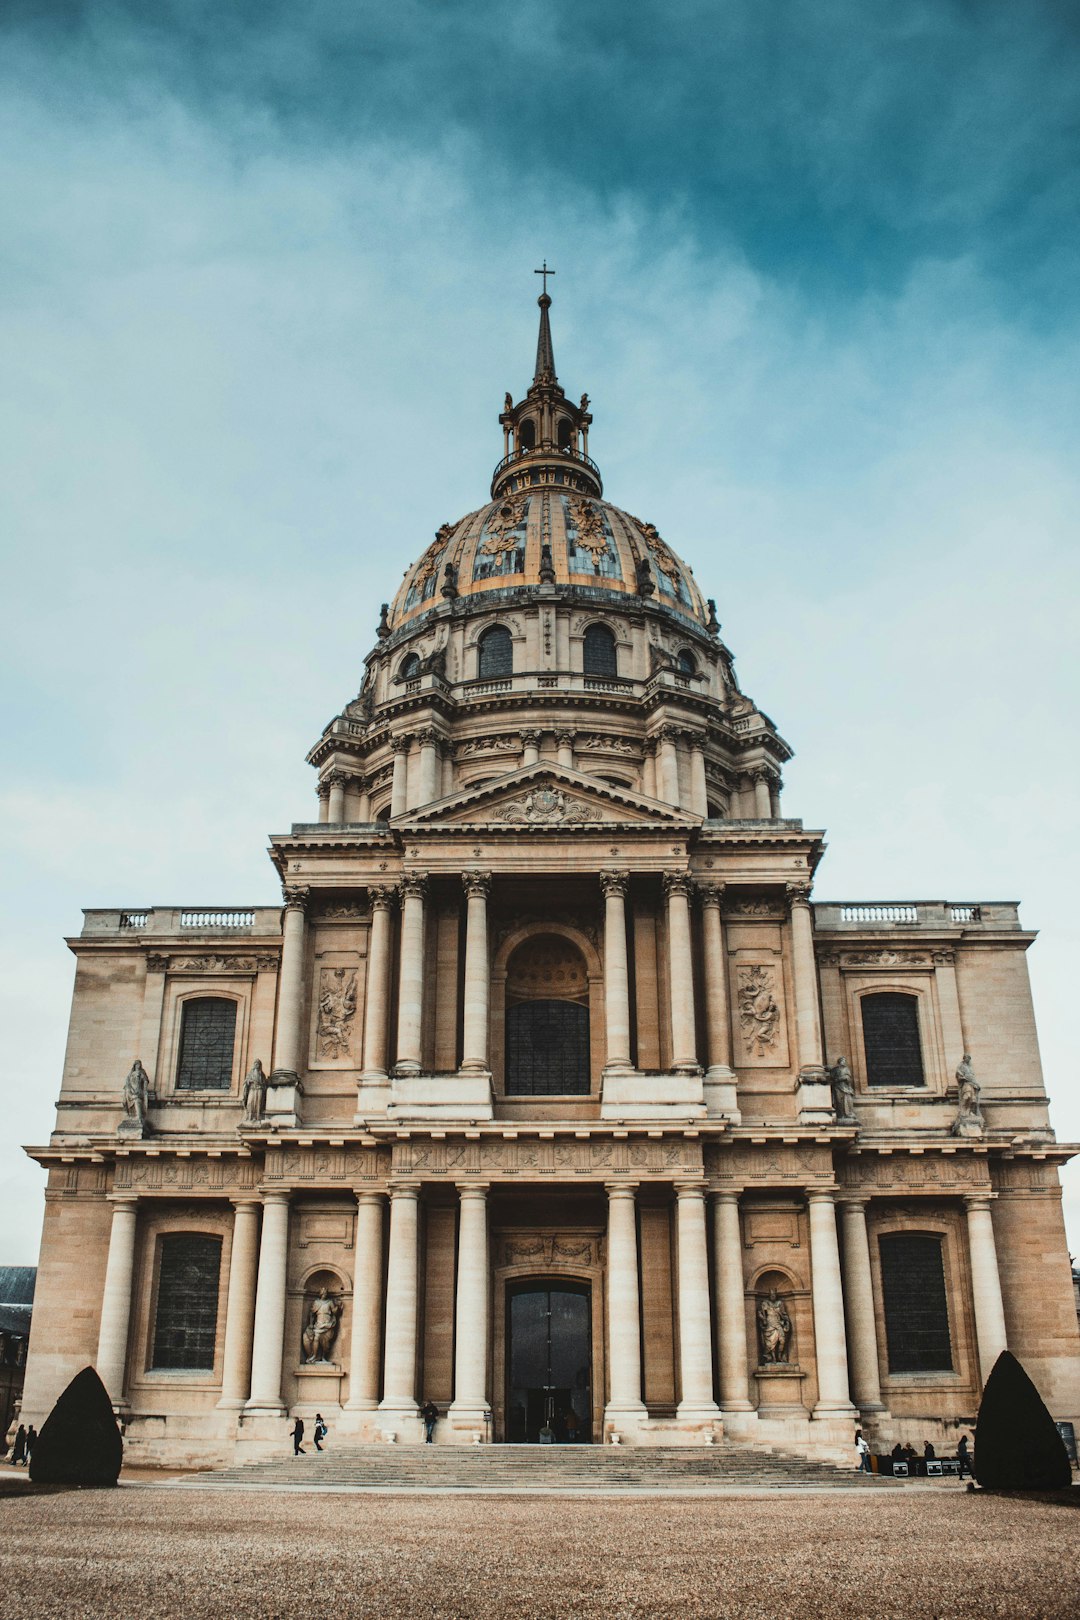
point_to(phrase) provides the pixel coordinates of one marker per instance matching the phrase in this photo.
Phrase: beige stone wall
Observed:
(1036, 1286)
(67, 1298)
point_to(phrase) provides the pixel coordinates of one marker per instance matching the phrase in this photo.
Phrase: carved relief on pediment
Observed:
(547, 807)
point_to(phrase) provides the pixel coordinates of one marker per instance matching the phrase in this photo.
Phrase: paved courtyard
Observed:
(147, 1552)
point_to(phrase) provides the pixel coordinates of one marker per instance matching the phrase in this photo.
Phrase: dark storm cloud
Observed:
(836, 142)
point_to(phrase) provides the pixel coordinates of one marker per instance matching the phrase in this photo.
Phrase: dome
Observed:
(545, 533)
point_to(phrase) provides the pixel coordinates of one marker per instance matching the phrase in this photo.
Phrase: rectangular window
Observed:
(890, 1023)
(187, 1302)
(916, 1311)
(207, 1036)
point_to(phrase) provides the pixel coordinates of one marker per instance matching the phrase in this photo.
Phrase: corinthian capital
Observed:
(294, 896)
(678, 883)
(476, 883)
(414, 885)
(381, 896)
(614, 883)
(711, 894)
(798, 894)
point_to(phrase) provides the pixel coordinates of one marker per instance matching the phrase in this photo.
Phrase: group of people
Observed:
(906, 1453)
(318, 1434)
(23, 1446)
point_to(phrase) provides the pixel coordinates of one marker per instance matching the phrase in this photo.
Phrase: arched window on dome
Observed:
(599, 651)
(687, 663)
(564, 433)
(495, 653)
(410, 667)
(527, 434)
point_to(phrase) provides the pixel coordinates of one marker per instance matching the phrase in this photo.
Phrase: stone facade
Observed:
(548, 1014)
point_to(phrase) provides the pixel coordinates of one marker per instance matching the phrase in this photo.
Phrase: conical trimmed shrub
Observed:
(80, 1442)
(1017, 1445)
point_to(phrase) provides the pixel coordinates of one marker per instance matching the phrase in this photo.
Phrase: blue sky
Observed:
(266, 274)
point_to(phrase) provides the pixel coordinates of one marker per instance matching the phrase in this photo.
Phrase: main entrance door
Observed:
(550, 1363)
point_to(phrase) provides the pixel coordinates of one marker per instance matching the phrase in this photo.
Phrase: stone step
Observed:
(542, 1468)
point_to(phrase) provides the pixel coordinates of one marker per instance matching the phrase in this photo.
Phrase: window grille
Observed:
(687, 664)
(890, 1023)
(916, 1310)
(207, 1036)
(599, 654)
(547, 1049)
(496, 653)
(185, 1327)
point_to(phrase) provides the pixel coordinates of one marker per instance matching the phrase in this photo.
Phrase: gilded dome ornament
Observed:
(666, 560)
(502, 526)
(589, 523)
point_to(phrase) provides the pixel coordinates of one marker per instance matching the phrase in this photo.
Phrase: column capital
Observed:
(621, 1189)
(401, 743)
(852, 1200)
(979, 1200)
(728, 1195)
(690, 1189)
(323, 789)
(294, 896)
(336, 778)
(711, 894)
(821, 1195)
(277, 1195)
(678, 883)
(246, 1201)
(476, 883)
(648, 747)
(428, 737)
(365, 1195)
(473, 1189)
(414, 885)
(564, 738)
(696, 740)
(404, 1189)
(128, 1201)
(798, 894)
(614, 883)
(669, 734)
(381, 896)
(530, 738)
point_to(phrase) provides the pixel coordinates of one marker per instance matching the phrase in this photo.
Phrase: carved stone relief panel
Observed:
(768, 1164)
(327, 1166)
(336, 1010)
(572, 1251)
(211, 1176)
(918, 1173)
(760, 1024)
(552, 1159)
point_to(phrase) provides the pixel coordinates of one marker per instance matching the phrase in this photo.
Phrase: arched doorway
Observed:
(549, 1362)
(547, 1020)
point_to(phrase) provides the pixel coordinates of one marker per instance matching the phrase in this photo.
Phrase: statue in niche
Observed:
(135, 1094)
(969, 1119)
(253, 1095)
(843, 1092)
(321, 1327)
(774, 1330)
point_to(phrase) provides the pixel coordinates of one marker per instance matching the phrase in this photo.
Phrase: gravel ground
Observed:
(148, 1553)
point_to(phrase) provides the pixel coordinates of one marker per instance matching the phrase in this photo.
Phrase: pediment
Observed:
(545, 795)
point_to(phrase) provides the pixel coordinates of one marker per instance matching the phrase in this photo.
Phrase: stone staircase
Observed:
(599, 1470)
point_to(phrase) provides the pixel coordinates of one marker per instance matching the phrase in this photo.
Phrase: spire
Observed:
(545, 354)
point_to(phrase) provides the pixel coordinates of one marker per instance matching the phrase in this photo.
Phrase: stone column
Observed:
(695, 1329)
(828, 1301)
(985, 1282)
(471, 1311)
(476, 1020)
(240, 1309)
(616, 975)
(699, 791)
(399, 782)
(365, 1352)
(283, 1087)
(324, 801)
(648, 769)
(411, 974)
(678, 887)
(762, 796)
(269, 1338)
(624, 1315)
(730, 1304)
(859, 1301)
(721, 1091)
(564, 744)
(430, 763)
(775, 785)
(814, 1095)
(373, 1082)
(336, 781)
(530, 747)
(402, 1295)
(667, 766)
(116, 1298)
(363, 809)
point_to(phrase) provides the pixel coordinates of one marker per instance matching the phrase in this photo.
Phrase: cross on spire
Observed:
(545, 272)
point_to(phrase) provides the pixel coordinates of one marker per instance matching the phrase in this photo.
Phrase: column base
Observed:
(622, 1421)
(407, 1067)
(373, 1094)
(230, 1403)
(264, 1409)
(361, 1404)
(470, 1420)
(814, 1096)
(283, 1092)
(697, 1412)
(721, 1090)
(398, 1421)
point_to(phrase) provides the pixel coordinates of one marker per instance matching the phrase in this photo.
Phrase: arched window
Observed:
(496, 653)
(185, 1324)
(547, 1020)
(890, 1024)
(562, 433)
(600, 656)
(410, 667)
(207, 1036)
(916, 1310)
(527, 434)
(687, 663)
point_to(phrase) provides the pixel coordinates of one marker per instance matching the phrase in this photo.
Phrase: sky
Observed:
(265, 276)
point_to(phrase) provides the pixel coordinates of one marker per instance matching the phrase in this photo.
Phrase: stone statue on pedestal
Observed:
(969, 1119)
(321, 1327)
(253, 1095)
(774, 1329)
(843, 1092)
(134, 1095)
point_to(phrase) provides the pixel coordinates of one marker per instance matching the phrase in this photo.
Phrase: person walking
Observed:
(320, 1431)
(297, 1436)
(963, 1457)
(430, 1414)
(18, 1450)
(863, 1450)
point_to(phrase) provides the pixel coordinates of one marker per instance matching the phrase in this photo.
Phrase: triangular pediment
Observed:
(545, 795)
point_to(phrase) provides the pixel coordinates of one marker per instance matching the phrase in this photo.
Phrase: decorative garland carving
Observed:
(588, 521)
(759, 1013)
(337, 1009)
(502, 525)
